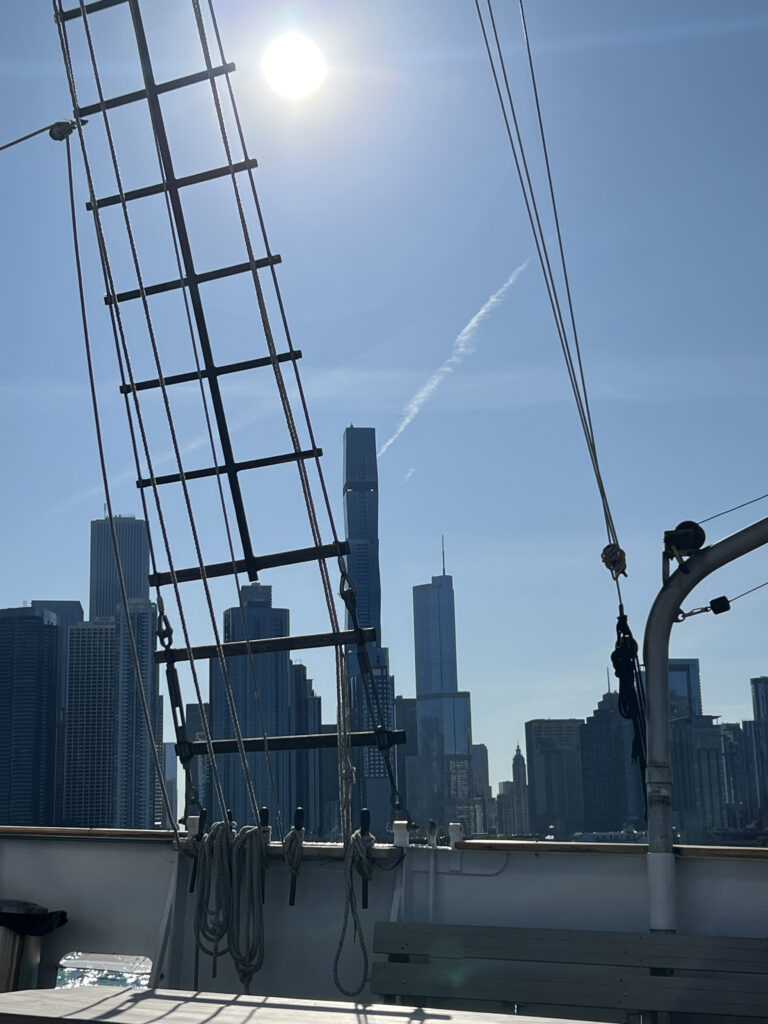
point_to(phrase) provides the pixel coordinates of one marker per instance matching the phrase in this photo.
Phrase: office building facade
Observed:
(269, 677)
(555, 792)
(91, 732)
(28, 715)
(440, 782)
(373, 701)
(136, 785)
(68, 614)
(613, 788)
(133, 545)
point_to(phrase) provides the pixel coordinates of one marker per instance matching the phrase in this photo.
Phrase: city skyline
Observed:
(493, 459)
(577, 775)
(685, 674)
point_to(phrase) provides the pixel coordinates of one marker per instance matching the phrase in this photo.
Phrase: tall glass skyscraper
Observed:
(91, 733)
(109, 770)
(28, 704)
(273, 682)
(684, 687)
(68, 614)
(133, 544)
(441, 785)
(361, 522)
(136, 784)
(434, 637)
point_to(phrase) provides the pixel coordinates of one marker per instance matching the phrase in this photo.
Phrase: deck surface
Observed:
(131, 1006)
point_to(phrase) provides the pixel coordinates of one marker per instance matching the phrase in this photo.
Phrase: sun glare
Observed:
(294, 66)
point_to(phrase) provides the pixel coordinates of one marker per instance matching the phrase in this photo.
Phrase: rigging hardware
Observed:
(685, 540)
(59, 131)
(626, 667)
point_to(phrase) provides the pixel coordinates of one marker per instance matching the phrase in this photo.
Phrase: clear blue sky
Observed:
(391, 196)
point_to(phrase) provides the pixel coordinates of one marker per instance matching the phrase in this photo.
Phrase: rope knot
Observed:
(360, 845)
(614, 560)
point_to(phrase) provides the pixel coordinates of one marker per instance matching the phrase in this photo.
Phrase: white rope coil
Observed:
(213, 905)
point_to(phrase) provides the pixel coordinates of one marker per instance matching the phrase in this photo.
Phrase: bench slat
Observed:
(573, 985)
(623, 949)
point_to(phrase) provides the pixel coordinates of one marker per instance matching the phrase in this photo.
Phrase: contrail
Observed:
(463, 346)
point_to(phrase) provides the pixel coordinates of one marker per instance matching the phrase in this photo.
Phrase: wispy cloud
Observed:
(408, 475)
(463, 346)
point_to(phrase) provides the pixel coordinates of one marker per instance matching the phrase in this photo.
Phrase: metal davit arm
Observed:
(663, 613)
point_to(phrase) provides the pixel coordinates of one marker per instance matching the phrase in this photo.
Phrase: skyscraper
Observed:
(110, 771)
(434, 636)
(756, 735)
(89, 758)
(759, 688)
(28, 703)
(361, 523)
(613, 793)
(136, 783)
(699, 796)
(68, 614)
(133, 545)
(684, 687)
(555, 793)
(306, 717)
(520, 816)
(272, 680)
(441, 785)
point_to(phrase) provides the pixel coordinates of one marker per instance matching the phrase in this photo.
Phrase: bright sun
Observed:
(294, 66)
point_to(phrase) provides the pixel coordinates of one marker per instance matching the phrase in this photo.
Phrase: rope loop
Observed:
(246, 925)
(213, 907)
(293, 847)
(361, 845)
(355, 858)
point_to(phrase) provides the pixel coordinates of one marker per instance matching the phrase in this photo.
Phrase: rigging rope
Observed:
(108, 498)
(735, 508)
(373, 700)
(613, 556)
(355, 859)
(626, 667)
(124, 364)
(751, 591)
(171, 426)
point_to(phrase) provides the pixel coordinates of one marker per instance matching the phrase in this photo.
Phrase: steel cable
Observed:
(576, 376)
(108, 498)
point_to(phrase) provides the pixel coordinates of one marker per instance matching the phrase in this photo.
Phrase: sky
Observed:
(412, 288)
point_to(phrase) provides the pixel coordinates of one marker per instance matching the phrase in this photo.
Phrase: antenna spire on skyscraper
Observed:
(442, 542)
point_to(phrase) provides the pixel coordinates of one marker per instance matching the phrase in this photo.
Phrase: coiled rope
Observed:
(246, 924)
(213, 906)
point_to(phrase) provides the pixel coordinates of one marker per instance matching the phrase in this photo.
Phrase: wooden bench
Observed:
(613, 976)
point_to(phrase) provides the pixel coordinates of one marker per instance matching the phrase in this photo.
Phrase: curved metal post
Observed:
(656, 657)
